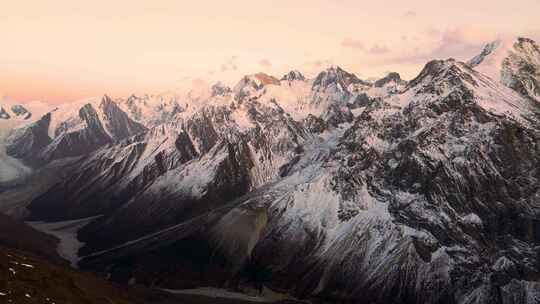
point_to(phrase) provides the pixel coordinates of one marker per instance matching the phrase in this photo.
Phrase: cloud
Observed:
(229, 65)
(433, 32)
(378, 50)
(320, 63)
(460, 43)
(410, 14)
(352, 43)
(265, 63)
(359, 45)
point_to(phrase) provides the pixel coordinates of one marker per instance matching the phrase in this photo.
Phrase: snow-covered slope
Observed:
(13, 115)
(10, 168)
(513, 62)
(151, 110)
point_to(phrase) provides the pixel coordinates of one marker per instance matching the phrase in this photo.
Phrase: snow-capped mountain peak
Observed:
(335, 76)
(513, 62)
(392, 77)
(293, 75)
(450, 80)
(151, 110)
(389, 85)
(250, 84)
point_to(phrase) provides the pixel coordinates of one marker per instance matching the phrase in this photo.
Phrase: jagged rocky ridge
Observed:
(413, 192)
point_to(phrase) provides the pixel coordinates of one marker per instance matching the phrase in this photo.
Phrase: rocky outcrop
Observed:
(21, 111)
(14, 111)
(4, 114)
(315, 125)
(392, 77)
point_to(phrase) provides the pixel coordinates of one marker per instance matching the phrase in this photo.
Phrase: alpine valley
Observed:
(332, 189)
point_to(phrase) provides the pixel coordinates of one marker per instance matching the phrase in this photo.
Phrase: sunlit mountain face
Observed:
(225, 160)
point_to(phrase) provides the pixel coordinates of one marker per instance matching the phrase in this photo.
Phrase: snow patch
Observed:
(10, 168)
(472, 219)
(66, 232)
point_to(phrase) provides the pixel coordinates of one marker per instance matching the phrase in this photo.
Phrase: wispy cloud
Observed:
(433, 32)
(359, 45)
(460, 43)
(265, 63)
(320, 63)
(378, 50)
(410, 14)
(352, 43)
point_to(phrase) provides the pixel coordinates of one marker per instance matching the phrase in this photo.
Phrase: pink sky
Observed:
(61, 50)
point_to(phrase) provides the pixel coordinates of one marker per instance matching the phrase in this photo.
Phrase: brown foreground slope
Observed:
(25, 278)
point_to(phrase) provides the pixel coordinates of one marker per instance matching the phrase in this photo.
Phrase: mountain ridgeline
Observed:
(337, 188)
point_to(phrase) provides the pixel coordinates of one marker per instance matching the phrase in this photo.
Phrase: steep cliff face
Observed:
(118, 124)
(89, 137)
(27, 142)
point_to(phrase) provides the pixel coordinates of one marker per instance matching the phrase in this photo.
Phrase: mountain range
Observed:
(336, 188)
